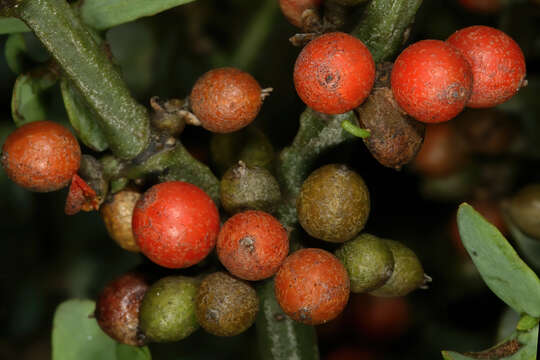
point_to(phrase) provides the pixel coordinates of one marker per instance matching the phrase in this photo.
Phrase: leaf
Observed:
(103, 14)
(530, 247)
(15, 52)
(82, 118)
(498, 263)
(76, 335)
(525, 342)
(12, 25)
(26, 103)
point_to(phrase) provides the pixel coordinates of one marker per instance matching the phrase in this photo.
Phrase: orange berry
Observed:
(41, 156)
(293, 9)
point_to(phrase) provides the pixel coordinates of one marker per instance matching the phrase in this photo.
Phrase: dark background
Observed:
(47, 257)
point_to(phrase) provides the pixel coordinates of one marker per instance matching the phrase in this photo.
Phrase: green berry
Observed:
(333, 204)
(168, 309)
(408, 274)
(248, 188)
(226, 306)
(368, 260)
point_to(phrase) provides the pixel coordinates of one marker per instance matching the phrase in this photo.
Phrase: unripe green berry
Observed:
(408, 274)
(368, 260)
(524, 210)
(226, 306)
(248, 188)
(168, 309)
(333, 204)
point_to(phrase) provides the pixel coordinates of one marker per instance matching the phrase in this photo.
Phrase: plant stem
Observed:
(384, 26)
(125, 123)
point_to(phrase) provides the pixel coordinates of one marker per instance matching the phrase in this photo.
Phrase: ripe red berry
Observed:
(252, 245)
(431, 81)
(175, 224)
(334, 73)
(497, 63)
(293, 9)
(225, 99)
(41, 156)
(312, 286)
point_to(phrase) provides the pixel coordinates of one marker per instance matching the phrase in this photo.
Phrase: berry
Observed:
(334, 73)
(312, 286)
(245, 187)
(524, 211)
(408, 274)
(168, 309)
(333, 204)
(117, 308)
(431, 81)
(226, 306)
(175, 224)
(117, 213)
(225, 100)
(368, 260)
(293, 9)
(481, 6)
(443, 152)
(497, 63)
(252, 245)
(41, 156)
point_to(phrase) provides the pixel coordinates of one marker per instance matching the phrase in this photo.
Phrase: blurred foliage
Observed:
(49, 257)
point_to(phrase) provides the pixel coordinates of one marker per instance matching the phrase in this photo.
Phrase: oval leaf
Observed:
(76, 335)
(26, 103)
(82, 118)
(498, 263)
(10, 25)
(15, 53)
(103, 14)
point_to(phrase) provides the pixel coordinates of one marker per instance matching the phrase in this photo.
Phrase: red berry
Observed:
(431, 81)
(117, 308)
(293, 9)
(497, 62)
(41, 156)
(175, 224)
(225, 99)
(312, 286)
(481, 6)
(252, 245)
(334, 73)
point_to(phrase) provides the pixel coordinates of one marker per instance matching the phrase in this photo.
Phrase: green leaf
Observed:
(82, 118)
(126, 352)
(103, 14)
(76, 335)
(525, 341)
(526, 323)
(498, 263)
(15, 52)
(26, 103)
(12, 25)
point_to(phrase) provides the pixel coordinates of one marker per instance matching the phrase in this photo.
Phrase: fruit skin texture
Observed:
(117, 308)
(293, 9)
(334, 73)
(41, 156)
(117, 214)
(333, 204)
(252, 245)
(368, 260)
(245, 187)
(497, 63)
(431, 81)
(175, 224)
(168, 309)
(226, 306)
(408, 274)
(312, 286)
(225, 99)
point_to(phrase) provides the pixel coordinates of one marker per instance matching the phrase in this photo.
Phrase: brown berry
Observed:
(117, 213)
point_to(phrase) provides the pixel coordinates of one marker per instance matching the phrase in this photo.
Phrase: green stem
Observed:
(124, 122)
(384, 25)
(355, 130)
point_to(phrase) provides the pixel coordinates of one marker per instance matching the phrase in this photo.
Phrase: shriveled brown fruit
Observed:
(117, 212)
(117, 308)
(226, 306)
